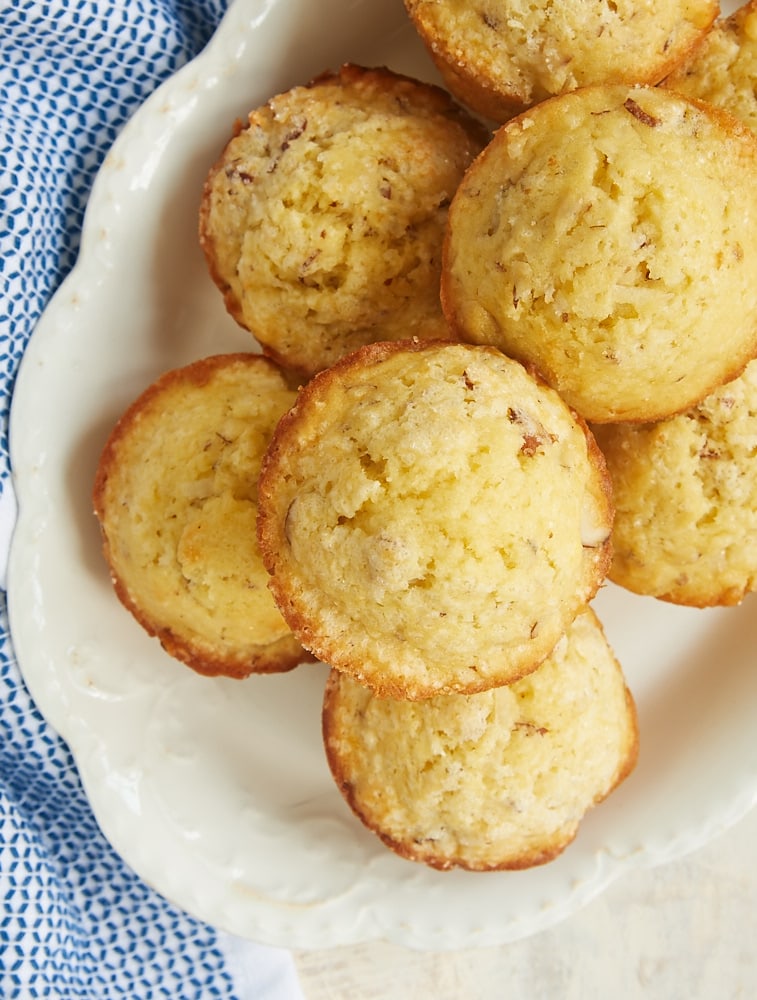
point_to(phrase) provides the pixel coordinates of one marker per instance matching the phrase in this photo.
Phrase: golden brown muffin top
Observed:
(609, 238)
(323, 219)
(176, 498)
(494, 780)
(686, 496)
(432, 517)
(502, 56)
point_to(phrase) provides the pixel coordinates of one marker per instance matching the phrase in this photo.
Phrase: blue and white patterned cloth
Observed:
(75, 921)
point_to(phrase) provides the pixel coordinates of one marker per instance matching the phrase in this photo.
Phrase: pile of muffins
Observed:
(505, 340)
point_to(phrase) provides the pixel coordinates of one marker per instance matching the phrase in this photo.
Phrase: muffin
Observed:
(323, 219)
(608, 237)
(432, 518)
(499, 779)
(686, 495)
(723, 68)
(499, 57)
(176, 498)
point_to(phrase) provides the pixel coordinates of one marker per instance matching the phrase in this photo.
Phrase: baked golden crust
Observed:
(496, 780)
(722, 69)
(500, 57)
(322, 221)
(686, 496)
(176, 498)
(609, 238)
(432, 517)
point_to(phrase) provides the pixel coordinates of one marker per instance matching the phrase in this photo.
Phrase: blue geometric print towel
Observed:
(75, 922)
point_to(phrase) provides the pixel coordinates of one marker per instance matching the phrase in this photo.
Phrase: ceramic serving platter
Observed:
(216, 791)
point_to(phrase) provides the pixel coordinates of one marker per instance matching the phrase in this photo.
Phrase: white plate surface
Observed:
(216, 792)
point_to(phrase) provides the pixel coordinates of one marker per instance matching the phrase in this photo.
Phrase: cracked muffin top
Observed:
(433, 517)
(323, 219)
(608, 237)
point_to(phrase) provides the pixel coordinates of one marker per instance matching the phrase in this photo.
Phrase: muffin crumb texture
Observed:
(723, 68)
